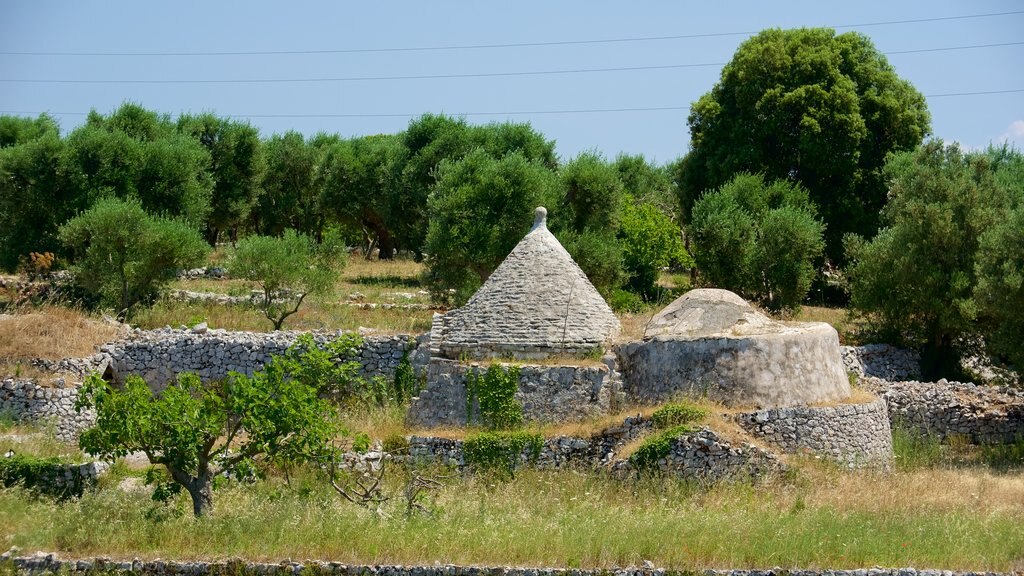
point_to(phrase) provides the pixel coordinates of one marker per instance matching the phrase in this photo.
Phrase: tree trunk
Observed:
(198, 487)
(201, 491)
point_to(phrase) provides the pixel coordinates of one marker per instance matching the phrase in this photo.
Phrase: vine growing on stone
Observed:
(494, 394)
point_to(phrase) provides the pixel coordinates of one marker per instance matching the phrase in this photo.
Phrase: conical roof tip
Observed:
(538, 302)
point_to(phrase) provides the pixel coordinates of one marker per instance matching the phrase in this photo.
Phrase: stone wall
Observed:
(882, 361)
(854, 434)
(982, 414)
(65, 480)
(547, 393)
(700, 455)
(160, 355)
(49, 563)
(557, 451)
(796, 365)
(27, 401)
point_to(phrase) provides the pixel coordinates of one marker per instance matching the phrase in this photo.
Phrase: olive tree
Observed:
(287, 269)
(123, 256)
(760, 240)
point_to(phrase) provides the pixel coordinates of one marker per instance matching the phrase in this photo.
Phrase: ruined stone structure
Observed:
(710, 343)
(536, 304)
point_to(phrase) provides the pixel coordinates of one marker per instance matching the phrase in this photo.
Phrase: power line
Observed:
(506, 113)
(437, 76)
(491, 46)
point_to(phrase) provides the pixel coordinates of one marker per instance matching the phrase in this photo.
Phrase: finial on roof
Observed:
(540, 217)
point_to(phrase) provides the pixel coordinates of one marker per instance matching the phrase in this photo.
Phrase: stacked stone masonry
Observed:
(853, 434)
(69, 479)
(160, 355)
(48, 563)
(882, 361)
(547, 393)
(982, 414)
(27, 401)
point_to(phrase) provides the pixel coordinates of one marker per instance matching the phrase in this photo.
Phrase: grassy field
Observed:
(818, 517)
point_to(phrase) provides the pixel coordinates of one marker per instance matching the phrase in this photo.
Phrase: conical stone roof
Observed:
(537, 303)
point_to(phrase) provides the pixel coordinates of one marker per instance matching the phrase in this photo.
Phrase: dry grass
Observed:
(52, 332)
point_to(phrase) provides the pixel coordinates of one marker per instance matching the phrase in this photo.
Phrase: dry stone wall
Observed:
(158, 356)
(882, 361)
(704, 455)
(547, 393)
(983, 414)
(49, 563)
(853, 434)
(27, 401)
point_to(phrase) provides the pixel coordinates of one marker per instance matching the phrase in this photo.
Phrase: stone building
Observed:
(536, 304)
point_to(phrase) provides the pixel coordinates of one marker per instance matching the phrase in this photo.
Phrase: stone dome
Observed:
(536, 304)
(711, 343)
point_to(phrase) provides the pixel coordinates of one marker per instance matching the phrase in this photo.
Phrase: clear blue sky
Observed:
(120, 26)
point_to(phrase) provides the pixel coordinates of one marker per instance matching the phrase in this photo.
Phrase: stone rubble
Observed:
(882, 361)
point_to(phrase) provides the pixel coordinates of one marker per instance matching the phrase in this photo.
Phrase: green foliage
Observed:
(650, 241)
(625, 301)
(502, 452)
(820, 108)
(291, 194)
(759, 240)
(599, 254)
(33, 199)
(647, 183)
(677, 414)
(135, 153)
(657, 446)
(480, 208)
(287, 269)
(236, 164)
(949, 217)
(40, 475)
(201, 431)
(15, 130)
(123, 256)
(405, 384)
(493, 394)
(592, 193)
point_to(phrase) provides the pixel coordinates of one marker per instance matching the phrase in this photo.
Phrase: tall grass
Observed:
(822, 519)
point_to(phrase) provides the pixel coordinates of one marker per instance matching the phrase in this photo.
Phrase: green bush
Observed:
(650, 241)
(124, 256)
(494, 393)
(287, 269)
(676, 414)
(657, 446)
(502, 451)
(625, 301)
(758, 240)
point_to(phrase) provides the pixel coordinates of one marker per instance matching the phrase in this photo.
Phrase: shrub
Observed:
(495, 394)
(650, 241)
(759, 240)
(124, 256)
(657, 446)
(41, 475)
(287, 269)
(502, 451)
(676, 414)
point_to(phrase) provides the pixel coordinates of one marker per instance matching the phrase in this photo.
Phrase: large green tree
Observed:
(34, 199)
(813, 107)
(480, 208)
(235, 164)
(291, 196)
(947, 264)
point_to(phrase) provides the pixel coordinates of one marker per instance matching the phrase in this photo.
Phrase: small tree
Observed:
(201, 431)
(650, 241)
(760, 240)
(287, 269)
(124, 256)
